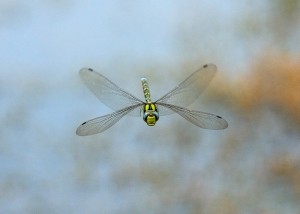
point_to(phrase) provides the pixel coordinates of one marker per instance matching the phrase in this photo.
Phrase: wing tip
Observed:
(79, 132)
(223, 123)
(86, 69)
(210, 65)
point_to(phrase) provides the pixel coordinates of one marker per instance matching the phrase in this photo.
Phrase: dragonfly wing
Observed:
(202, 119)
(102, 123)
(106, 91)
(190, 89)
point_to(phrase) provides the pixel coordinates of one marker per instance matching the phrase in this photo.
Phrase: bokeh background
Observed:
(251, 167)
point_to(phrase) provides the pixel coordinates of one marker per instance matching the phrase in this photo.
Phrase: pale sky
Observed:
(43, 45)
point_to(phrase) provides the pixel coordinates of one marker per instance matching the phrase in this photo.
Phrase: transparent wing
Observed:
(198, 118)
(106, 91)
(190, 89)
(100, 124)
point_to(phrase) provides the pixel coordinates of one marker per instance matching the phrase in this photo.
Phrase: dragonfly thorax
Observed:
(150, 114)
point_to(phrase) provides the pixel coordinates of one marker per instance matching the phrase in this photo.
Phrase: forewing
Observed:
(106, 91)
(190, 89)
(100, 124)
(202, 119)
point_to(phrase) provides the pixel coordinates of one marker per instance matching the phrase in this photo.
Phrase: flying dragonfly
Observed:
(124, 103)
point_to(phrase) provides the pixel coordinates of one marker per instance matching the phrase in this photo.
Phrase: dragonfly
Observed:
(175, 101)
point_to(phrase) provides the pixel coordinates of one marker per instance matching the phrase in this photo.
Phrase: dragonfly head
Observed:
(150, 114)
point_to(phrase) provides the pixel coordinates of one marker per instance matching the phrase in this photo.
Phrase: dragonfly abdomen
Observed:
(146, 90)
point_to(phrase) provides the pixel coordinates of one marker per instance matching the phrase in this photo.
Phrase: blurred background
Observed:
(253, 166)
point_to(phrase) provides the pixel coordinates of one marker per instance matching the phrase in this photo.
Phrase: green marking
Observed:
(151, 115)
(146, 90)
